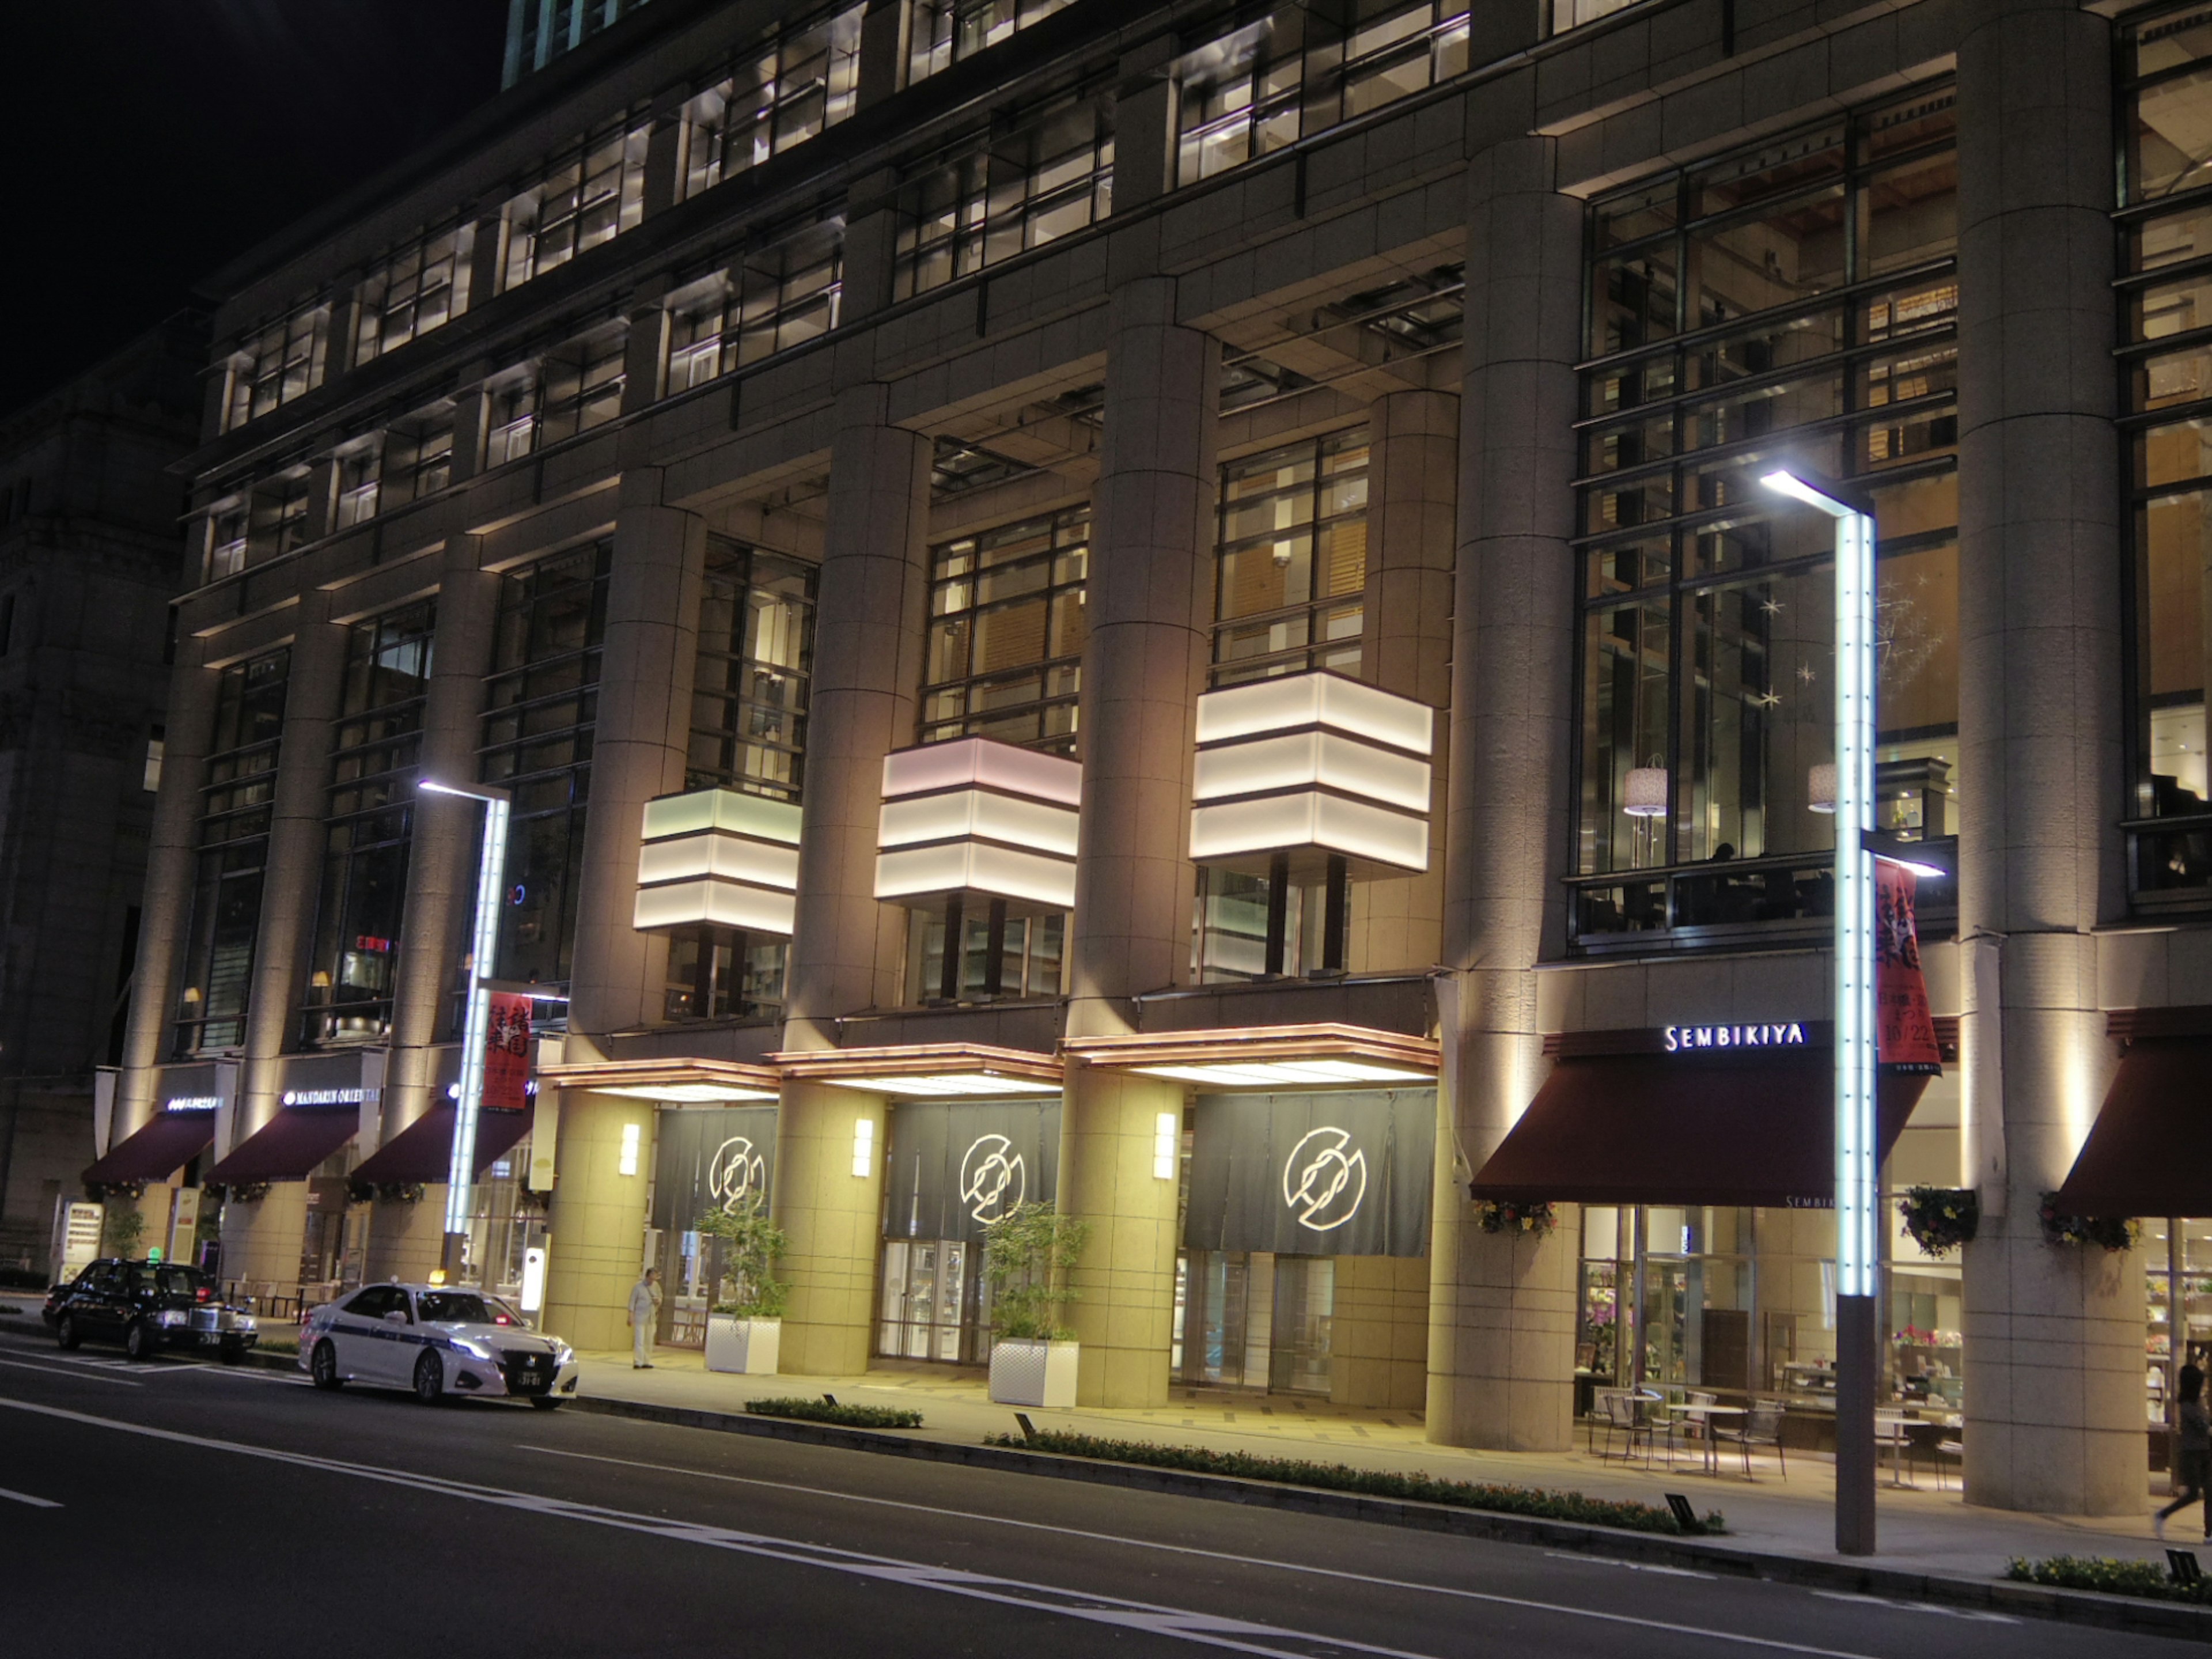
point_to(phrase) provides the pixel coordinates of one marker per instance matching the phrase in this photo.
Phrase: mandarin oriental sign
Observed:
(1678, 1038)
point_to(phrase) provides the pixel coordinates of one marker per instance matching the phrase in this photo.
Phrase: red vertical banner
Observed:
(506, 1054)
(1901, 1016)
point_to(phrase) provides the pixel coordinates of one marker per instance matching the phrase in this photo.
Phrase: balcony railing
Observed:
(2170, 862)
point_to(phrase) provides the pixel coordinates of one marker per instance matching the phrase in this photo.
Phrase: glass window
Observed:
(778, 295)
(233, 836)
(510, 415)
(1006, 629)
(749, 695)
(375, 762)
(1560, 15)
(422, 284)
(1034, 179)
(795, 83)
(543, 703)
(279, 519)
(582, 385)
(1720, 338)
(1292, 560)
(591, 193)
(275, 364)
(944, 32)
(417, 457)
(718, 972)
(356, 483)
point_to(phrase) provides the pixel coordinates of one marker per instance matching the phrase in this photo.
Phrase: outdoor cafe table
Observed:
(1703, 1415)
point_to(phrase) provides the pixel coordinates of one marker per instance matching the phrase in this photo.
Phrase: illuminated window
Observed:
(748, 695)
(276, 364)
(784, 90)
(590, 195)
(1292, 559)
(945, 32)
(424, 283)
(582, 385)
(1006, 629)
(777, 296)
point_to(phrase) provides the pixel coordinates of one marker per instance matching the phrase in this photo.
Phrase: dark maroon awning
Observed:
(163, 1145)
(1645, 1128)
(423, 1153)
(289, 1145)
(2150, 1152)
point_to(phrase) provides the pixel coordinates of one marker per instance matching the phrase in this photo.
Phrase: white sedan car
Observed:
(436, 1341)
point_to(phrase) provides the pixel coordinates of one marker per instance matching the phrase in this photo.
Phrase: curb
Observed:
(1998, 1596)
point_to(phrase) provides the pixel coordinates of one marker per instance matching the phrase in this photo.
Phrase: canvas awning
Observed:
(2150, 1152)
(1744, 1127)
(423, 1153)
(289, 1145)
(161, 1147)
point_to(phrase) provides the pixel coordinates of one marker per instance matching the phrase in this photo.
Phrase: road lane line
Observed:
(1206, 1630)
(25, 1497)
(1527, 1605)
(73, 1377)
(1917, 1607)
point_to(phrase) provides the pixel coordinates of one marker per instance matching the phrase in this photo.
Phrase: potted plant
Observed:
(745, 1323)
(1026, 1255)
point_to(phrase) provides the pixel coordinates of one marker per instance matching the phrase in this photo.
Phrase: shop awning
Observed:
(423, 1153)
(289, 1145)
(2150, 1152)
(161, 1147)
(1643, 1128)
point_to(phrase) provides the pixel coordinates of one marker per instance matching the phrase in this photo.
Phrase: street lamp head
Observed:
(1783, 481)
(472, 792)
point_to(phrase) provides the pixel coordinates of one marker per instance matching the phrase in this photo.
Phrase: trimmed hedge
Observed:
(850, 1417)
(2109, 1576)
(1377, 1483)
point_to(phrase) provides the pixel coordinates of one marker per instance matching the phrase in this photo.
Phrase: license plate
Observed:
(529, 1382)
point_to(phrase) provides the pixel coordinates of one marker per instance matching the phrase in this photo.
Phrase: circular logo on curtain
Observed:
(994, 1177)
(1324, 1179)
(735, 1173)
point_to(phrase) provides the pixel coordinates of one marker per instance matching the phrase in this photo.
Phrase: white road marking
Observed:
(1633, 1567)
(73, 1377)
(25, 1497)
(1206, 1630)
(1975, 1615)
(936, 1510)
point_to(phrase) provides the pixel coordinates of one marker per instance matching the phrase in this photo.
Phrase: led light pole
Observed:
(475, 1027)
(1857, 1155)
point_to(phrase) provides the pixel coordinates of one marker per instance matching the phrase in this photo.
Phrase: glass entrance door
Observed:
(931, 1303)
(1257, 1320)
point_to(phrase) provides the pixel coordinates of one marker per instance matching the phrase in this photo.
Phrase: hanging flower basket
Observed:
(1533, 1220)
(248, 1192)
(1941, 1218)
(2111, 1233)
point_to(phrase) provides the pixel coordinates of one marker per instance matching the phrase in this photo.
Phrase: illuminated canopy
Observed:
(928, 1070)
(981, 818)
(1266, 1056)
(684, 1082)
(1313, 766)
(718, 856)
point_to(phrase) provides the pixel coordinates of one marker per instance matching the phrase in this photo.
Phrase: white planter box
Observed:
(1028, 1372)
(744, 1347)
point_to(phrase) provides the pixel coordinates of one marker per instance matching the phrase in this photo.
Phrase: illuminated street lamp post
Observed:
(1857, 1270)
(491, 876)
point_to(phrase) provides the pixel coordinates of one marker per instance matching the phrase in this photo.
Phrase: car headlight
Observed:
(244, 1323)
(469, 1346)
(562, 1355)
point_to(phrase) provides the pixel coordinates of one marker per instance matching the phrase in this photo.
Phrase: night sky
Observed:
(151, 142)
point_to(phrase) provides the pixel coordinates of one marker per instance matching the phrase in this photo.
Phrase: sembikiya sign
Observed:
(1677, 1038)
(1336, 1172)
(957, 1166)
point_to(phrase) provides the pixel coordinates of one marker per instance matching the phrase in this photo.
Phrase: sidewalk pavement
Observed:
(1922, 1529)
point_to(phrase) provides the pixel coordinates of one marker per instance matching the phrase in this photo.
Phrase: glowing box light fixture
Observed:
(1314, 766)
(979, 819)
(718, 856)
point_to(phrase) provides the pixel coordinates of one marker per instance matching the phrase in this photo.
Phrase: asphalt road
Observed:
(186, 1508)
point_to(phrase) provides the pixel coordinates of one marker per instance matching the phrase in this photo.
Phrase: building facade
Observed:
(1171, 612)
(89, 563)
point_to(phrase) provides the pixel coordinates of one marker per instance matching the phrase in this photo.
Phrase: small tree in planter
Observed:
(1027, 1254)
(744, 1322)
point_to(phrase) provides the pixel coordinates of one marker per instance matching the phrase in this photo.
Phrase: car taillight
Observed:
(203, 1294)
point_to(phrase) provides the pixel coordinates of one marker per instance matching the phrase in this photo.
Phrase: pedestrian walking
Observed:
(644, 1315)
(2193, 1459)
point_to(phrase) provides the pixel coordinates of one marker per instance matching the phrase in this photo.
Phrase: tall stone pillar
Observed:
(638, 750)
(1150, 603)
(845, 947)
(597, 1218)
(406, 1240)
(1502, 1313)
(172, 859)
(1412, 541)
(2054, 1376)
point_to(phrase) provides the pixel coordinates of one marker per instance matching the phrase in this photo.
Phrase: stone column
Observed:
(597, 1221)
(406, 1240)
(2054, 1382)
(172, 862)
(1411, 540)
(1150, 596)
(644, 731)
(1502, 1314)
(831, 1214)
(869, 622)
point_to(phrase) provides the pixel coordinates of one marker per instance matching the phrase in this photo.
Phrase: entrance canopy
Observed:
(163, 1145)
(2150, 1151)
(1266, 1056)
(289, 1145)
(422, 1153)
(1739, 1126)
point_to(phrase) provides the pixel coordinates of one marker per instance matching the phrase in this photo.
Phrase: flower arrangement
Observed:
(2109, 1232)
(1534, 1219)
(243, 1191)
(1941, 1218)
